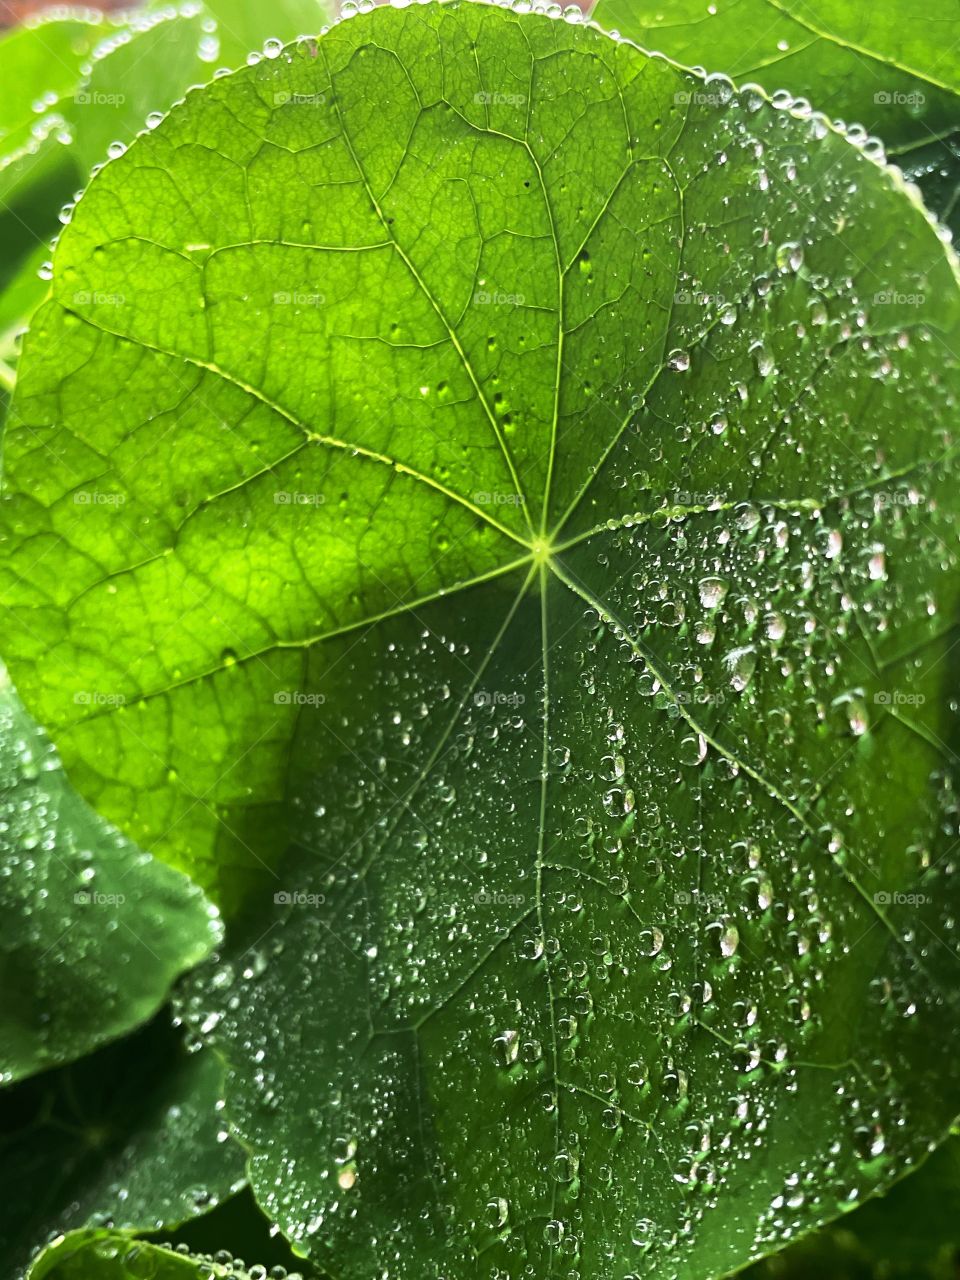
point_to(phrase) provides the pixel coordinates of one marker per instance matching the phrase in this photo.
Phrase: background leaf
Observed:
(557, 563)
(133, 1136)
(78, 85)
(114, 1255)
(95, 930)
(893, 68)
(910, 1232)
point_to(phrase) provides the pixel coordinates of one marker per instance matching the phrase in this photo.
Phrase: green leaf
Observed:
(910, 1232)
(244, 27)
(540, 520)
(40, 65)
(95, 930)
(76, 86)
(115, 1255)
(893, 68)
(935, 168)
(919, 1218)
(132, 1137)
(251, 1235)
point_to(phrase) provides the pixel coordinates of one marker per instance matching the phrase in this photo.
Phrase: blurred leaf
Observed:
(73, 86)
(132, 1136)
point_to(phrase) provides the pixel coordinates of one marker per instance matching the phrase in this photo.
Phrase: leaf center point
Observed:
(541, 551)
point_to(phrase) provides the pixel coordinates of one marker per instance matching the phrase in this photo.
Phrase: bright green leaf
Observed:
(74, 86)
(132, 1136)
(95, 931)
(527, 496)
(115, 1255)
(891, 67)
(40, 64)
(246, 26)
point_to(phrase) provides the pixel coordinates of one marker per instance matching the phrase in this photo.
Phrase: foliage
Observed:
(892, 69)
(480, 505)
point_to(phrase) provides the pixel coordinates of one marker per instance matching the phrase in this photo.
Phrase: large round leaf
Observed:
(527, 499)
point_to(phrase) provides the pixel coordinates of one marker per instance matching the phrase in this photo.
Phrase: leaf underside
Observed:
(132, 1136)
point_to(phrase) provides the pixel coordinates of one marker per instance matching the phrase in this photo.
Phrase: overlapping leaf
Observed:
(529, 500)
(133, 1137)
(891, 68)
(95, 930)
(114, 1255)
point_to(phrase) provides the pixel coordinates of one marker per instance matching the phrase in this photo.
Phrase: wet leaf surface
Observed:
(133, 1136)
(891, 69)
(525, 547)
(95, 930)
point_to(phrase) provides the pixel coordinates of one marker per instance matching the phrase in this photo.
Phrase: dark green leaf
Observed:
(935, 168)
(540, 518)
(95, 930)
(133, 1136)
(910, 1232)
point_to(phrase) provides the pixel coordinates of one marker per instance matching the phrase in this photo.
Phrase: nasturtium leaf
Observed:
(918, 1223)
(74, 86)
(935, 168)
(251, 1235)
(892, 68)
(910, 1233)
(132, 1136)
(40, 64)
(95, 930)
(117, 1255)
(542, 524)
